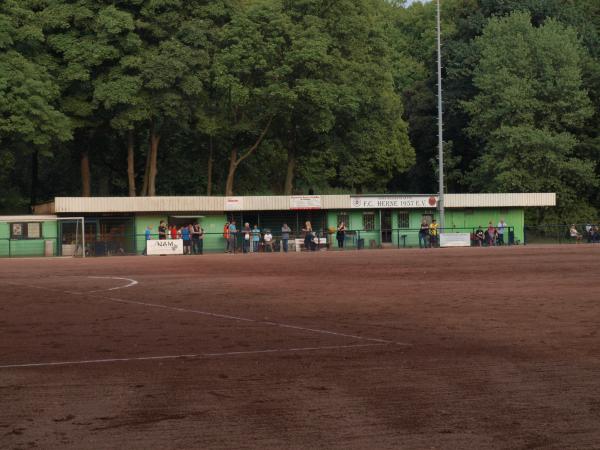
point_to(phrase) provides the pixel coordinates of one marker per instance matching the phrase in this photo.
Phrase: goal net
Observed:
(71, 236)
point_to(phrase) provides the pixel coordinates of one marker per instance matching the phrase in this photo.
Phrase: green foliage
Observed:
(344, 92)
(27, 96)
(529, 105)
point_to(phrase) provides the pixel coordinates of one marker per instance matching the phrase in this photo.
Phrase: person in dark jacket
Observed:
(424, 234)
(341, 234)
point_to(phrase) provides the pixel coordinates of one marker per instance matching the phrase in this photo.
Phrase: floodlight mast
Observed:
(440, 122)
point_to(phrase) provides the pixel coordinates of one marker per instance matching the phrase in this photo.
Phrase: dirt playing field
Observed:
(439, 348)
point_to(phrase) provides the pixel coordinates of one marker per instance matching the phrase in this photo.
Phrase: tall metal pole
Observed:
(440, 123)
(83, 237)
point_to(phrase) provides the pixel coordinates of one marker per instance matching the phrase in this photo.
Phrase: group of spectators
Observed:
(428, 234)
(493, 235)
(253, 238)
(191, 234)
(592, 234)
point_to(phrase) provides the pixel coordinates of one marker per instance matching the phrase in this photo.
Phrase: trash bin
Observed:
(360, 244)
(48, 248)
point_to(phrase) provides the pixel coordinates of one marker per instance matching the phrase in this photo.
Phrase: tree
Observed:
(371, 136)
(30, 121)
(529, 106)
(86, 38)
(249, 68)
(209, 116)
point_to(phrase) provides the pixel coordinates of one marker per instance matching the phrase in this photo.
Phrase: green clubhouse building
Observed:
(117, 225)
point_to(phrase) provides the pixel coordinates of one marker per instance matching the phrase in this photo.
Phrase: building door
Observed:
(386, 226)
(457, 221)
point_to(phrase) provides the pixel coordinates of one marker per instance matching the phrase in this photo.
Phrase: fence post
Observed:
(524, 234)
(560, 235)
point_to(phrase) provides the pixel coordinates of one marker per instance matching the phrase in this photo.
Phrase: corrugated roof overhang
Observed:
(174, 204)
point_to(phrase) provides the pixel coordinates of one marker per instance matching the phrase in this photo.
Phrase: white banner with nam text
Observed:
(455, 240)
(165, 247)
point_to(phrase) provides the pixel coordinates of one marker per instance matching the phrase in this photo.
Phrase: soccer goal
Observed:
(39, 235)
(71, 236)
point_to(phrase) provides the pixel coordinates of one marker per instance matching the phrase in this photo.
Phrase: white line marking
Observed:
(132, 282)
(244, 319)
(314, 330)
(197, 355)
(218, 316)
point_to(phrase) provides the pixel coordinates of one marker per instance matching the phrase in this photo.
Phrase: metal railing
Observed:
(562, 233)
(28, 247)
(135, 244)
(479, 237)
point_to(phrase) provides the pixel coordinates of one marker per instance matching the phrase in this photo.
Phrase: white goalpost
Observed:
(71, 236)
(42, 235)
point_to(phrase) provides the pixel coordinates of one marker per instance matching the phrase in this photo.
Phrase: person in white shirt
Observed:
(500, 229)
(589, 232)
(575, 234)
(268, 239)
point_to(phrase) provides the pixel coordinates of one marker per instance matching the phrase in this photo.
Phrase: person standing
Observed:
(268, 238)
(246, 232)
(162, 230)
(201, 240)
(226, 237)
(187, 242)
(589, 233)
(433, 234)
(423, 234)
(232, 236)
(308, 236)
(174, 232)
(341, 234)
(196, 239)
(148, 234)
(479, 236)
(255, 238)
(285, 236)
(500, 229)
(491, 230)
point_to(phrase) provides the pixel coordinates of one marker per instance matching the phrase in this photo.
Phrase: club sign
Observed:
(394, 201)
(165, 247)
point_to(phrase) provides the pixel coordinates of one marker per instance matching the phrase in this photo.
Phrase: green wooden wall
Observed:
(27, 247)
(457, 220)
(212, 225)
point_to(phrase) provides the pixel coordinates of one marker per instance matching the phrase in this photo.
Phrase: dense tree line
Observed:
(162, 97)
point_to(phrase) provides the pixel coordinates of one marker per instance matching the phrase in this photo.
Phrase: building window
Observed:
(343, 217)
(368, 221)
(403, 219)
(26, 230)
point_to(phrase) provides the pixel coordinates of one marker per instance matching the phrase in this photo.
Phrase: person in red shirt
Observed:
(226, 236)
(173, 232)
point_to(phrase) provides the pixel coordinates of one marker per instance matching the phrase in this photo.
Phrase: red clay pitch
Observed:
(443, 348)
